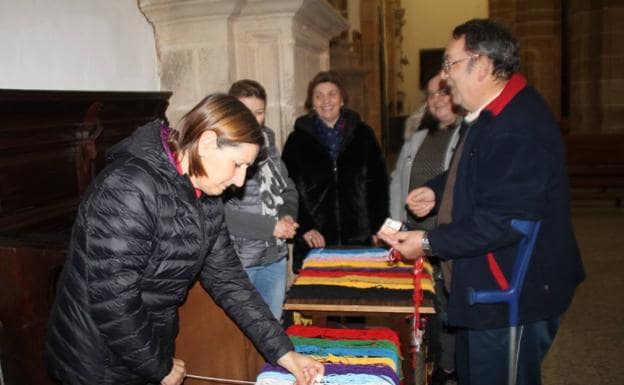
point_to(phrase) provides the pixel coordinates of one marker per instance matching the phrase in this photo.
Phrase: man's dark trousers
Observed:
(482, 355)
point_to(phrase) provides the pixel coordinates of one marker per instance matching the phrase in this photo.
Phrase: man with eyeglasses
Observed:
(509, 164)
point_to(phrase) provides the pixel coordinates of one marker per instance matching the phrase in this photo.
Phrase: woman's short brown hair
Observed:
(325, 77)
(226, 116)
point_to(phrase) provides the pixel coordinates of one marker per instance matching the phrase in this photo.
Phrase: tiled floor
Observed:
(589, 348)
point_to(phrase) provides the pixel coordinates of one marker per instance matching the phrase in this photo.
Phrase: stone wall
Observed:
(77, 45)
(573, 52)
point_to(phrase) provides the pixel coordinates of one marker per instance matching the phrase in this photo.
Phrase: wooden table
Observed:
(211, 344)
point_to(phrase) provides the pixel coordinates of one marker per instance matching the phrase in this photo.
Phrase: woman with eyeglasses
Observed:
(430, 138)
(427, 152)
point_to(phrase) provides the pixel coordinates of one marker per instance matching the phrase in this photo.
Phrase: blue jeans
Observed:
(270, 281)
(482, 354)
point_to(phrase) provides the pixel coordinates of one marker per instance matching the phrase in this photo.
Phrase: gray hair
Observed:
(489, 38)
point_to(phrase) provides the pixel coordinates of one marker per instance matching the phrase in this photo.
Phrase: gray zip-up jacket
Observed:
(251, 231)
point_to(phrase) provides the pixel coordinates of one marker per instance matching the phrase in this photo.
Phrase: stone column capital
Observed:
(172, 11)
(315, 14)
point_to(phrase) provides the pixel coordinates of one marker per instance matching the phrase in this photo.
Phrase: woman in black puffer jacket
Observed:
(151, 223)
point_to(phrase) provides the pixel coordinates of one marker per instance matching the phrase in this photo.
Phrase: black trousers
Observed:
(482, 355)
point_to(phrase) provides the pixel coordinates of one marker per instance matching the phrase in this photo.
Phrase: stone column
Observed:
(194, 47)
(205, 45)
(595, 33)
(283, 44)
(538, 26)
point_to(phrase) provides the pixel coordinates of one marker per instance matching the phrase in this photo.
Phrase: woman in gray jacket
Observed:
(261, 215)
(425, 154)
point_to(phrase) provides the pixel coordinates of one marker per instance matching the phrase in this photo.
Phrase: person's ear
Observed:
(207, 142)
(485, 67)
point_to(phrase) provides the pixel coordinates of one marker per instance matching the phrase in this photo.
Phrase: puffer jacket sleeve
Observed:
(227, 283)
(121, 221)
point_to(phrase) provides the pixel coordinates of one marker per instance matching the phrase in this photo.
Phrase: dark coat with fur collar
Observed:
(345, 200)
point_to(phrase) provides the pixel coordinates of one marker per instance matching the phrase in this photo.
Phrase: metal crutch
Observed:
(512, 296)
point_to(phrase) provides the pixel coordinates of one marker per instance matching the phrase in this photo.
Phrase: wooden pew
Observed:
(596, 166)
(52, 143)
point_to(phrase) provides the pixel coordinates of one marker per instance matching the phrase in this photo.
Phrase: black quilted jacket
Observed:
(140, 239)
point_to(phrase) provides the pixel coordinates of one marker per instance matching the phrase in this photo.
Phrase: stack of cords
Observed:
(351, 356)
(355, 274)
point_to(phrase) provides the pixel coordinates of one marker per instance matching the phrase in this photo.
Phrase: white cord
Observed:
(317, 380)
(217, 379)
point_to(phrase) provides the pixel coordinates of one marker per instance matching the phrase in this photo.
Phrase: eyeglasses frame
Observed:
(447, 64)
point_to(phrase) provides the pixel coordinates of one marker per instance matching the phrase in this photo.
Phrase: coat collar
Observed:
(351, 118)
(516, 83)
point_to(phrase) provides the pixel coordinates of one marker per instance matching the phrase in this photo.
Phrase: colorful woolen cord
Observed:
(350, 356)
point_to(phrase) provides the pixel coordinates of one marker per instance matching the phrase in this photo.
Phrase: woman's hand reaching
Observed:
(305, 369)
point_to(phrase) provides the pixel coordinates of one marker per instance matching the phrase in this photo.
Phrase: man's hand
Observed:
(408, 243)
(420, 201)
(176, 375)
(304, 368)
(285, 228)
(390, 226)
(314, 239)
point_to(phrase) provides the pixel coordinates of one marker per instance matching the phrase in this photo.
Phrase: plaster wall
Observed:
(429, 24)
(77, 45)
